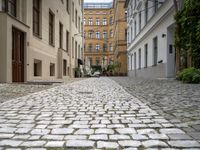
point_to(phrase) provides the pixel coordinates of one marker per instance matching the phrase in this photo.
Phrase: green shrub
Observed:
(189, 75)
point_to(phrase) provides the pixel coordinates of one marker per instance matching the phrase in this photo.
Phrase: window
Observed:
(36, 17)
(97, 47)
(97, 61)
(3, 5)
(97, 35)
(73, 11)
(104, 34)
(104, 47)
(111, 47)
(52, 69)
(51, 28)
(111, 20)
(67, 41)
(140, 19)
(67, 5)
(155, 51)
(97, 21)
(146, 12)
(60, 35)
(139, 55)
(79, 24)
(37, 67)
(110, 61)
(79, 51)
(131, 33)
(72, 47)
(64, 67)
(90, 21)
(90, 34)
(104, 21)
(12, 7)
(90, 60)
(126, 35)
(155, 5)
(76, 18)
(76, 49)
(146, 55)
(111, 33)
(90, 47)
(131, 62)
(84, 20)
(135, 29)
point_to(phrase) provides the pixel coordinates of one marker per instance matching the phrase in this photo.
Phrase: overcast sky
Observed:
(97, 1)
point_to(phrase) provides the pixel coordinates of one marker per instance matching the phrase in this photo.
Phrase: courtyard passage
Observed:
(95, 113)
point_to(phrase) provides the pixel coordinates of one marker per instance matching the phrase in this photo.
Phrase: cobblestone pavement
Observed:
(10, 91)
(88, 114)
(177, 102)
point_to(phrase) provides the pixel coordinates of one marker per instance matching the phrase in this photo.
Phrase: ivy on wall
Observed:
(188, 37)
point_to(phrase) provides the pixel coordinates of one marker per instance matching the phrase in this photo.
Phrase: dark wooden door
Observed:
(17, 56)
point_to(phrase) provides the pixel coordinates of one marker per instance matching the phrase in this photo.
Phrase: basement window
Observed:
(52, 69)
(37, 67)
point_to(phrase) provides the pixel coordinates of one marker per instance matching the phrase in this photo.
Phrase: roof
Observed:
(98, 5)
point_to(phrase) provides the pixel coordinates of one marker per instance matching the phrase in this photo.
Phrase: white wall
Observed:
(156, 26)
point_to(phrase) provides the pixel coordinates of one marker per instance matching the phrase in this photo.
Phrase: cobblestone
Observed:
(177, 102)
(89, 114)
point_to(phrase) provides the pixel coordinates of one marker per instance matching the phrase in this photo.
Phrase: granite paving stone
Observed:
(80, 143)
(177, 102)
(95, 113)
(107, 145)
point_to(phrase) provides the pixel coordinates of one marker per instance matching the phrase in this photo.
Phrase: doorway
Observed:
(17, 56)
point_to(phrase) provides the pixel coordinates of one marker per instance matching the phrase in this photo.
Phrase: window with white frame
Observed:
(104, 34)
(104, 21)
(146, 12)
(140, 21)
(84, 21)
(139, 55)
(155, 51)
(111, 20)
(97, 47)
(97, 34)
(111, 33)
(146, 55)
(90, 34)
(111, 47)
(90, 21)
(104, 47)
(97, 21)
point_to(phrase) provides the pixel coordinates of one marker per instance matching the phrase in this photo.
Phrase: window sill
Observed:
(37, 36)
(52, 45)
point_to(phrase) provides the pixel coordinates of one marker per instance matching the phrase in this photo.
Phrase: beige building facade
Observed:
(120, 36)
(39, 39)
(98, 34)
(105, 35)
